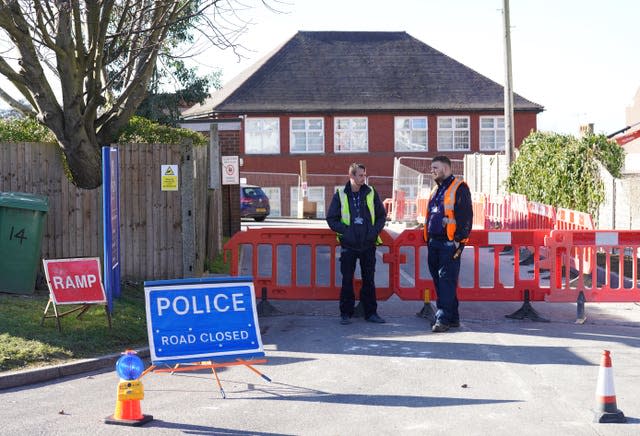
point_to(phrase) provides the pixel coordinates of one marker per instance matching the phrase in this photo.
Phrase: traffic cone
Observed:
(606, 395)
(128, 411)
(129, 392)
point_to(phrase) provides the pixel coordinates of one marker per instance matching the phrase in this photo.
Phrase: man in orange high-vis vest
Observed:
(358, 216)
(448, 222)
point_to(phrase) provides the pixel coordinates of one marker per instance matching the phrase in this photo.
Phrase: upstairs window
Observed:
(307, 135)
(453, 134)
(351, 135)
(411, 134)
(262, 136)
(492, 135)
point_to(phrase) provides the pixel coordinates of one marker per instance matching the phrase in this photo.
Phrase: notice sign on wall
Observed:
(193, 320)
(230, 170)
(169, 177)
(74, 281)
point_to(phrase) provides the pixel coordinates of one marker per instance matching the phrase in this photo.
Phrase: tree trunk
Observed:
(84, 160)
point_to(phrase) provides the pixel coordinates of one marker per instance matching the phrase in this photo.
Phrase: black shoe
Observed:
(376, 318)
(439, 327)
(345, 319)
(454, 325)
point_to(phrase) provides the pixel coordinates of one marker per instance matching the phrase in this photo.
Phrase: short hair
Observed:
(443, 159)
(353, 168)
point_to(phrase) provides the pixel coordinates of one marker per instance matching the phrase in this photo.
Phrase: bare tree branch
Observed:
(85, 65)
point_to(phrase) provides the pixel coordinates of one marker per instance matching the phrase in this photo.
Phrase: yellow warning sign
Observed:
(169, 177)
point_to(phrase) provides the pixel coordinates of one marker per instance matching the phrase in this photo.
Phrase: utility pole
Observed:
(508, 89)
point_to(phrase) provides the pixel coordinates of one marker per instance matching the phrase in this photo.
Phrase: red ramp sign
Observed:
(75, 281)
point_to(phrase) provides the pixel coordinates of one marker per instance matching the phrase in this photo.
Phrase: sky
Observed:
(577, 58)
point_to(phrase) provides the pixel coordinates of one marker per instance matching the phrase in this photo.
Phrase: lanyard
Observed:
(356, 202)
(437, 199)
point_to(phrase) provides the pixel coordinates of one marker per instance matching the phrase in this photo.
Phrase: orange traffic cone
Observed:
(128, 410)
(130, 391)
(606, 395)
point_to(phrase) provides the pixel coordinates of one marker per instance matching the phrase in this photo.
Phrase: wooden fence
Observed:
(162, 233)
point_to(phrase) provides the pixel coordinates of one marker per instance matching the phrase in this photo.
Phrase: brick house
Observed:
(332, 98)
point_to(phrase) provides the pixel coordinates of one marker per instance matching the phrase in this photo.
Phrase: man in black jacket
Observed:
(447, 226)
(358, 216)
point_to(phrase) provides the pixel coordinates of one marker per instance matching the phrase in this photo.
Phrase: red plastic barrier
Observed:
(541, 216)
(495, 210)
(517, 212)
(272, 257)
(590, 261)
(487, 272)
(567, 219)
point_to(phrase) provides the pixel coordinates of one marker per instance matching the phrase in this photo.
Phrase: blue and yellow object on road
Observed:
(130, 391)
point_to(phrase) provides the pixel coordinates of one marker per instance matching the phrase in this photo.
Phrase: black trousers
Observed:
(348, 259)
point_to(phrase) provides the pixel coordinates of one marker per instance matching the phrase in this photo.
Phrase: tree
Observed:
(85, 67)
(164, 107)
(562, 171)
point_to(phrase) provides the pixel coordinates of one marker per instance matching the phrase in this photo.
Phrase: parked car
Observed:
(254, 203)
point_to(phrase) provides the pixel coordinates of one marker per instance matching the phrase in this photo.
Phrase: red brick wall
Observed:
(378, 159)
(230, 146)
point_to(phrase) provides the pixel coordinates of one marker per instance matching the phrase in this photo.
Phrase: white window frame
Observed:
(255, 137)
(460, 135)
(399, 133)
(314, 193)
(307, 132)
(351, 135)
(273, 192)
(495, 131)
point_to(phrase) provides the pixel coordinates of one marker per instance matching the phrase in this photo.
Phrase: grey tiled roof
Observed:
(355, 71)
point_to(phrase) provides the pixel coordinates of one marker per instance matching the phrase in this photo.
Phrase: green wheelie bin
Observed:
(22, 218)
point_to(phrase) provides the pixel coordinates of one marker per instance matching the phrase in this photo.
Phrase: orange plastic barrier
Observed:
(398, 206)
(601, 264)
(388, 206)
(421, 209)
(275, 258)
(497, 265)
(491, 267)
(477, 200)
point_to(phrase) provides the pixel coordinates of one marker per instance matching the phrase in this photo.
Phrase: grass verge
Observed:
(24, 343)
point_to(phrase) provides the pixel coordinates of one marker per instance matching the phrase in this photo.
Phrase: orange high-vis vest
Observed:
(449, 219)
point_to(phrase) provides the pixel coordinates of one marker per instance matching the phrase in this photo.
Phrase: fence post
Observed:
(187, 210)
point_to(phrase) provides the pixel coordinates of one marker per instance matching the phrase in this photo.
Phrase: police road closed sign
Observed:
(74, 281)
(195, 320)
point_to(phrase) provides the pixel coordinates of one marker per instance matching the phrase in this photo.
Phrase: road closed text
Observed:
(205, 337)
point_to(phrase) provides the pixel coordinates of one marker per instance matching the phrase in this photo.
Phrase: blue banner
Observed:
(198, 320)
(111, 223)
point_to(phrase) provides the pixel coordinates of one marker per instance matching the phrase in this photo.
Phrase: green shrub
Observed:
(562, 171)
(139, 130)
(143, 131)
(24, 130)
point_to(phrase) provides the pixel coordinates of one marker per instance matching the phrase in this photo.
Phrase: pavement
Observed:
(491, 376)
